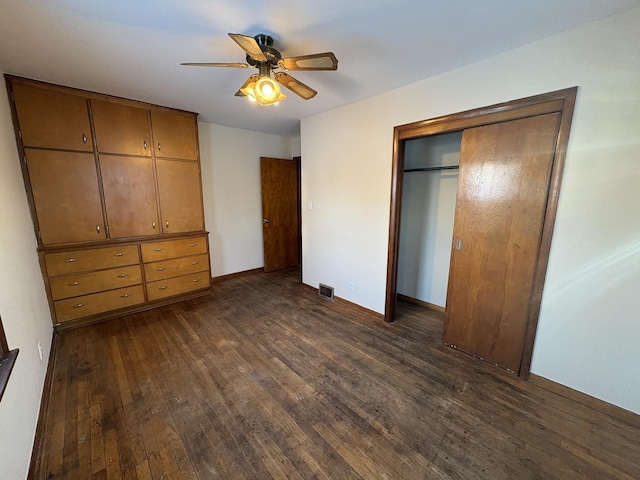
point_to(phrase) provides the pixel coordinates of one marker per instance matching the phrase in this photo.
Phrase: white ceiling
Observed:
(132, 48)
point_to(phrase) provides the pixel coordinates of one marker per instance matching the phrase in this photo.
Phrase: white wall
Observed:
(23, 307)
(230, 160)
(428, 210)
(589, 328)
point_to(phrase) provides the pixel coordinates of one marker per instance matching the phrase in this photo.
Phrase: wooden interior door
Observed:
(505, 169)
(180, 196)
(66, 196)
(129, 195)
(279, 213)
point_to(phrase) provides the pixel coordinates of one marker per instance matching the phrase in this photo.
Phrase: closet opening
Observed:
(474, 241)
(429, 186)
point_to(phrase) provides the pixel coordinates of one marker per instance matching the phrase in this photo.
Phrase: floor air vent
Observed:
(326, 291)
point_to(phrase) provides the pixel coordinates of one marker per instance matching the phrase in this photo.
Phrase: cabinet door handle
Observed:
(144, 144)
(196, 280)
(159, 249)
(70, 260)
(73, 284)
(122, 275)
(161, 269)
(119, 254)
(79, 305)
(459, 245)
(159, 146)
(98, 228)
(153, 224)
(126, 295)
(194, 263)
(164, 287)
(193, 244)
(167, 223)
(84, 138)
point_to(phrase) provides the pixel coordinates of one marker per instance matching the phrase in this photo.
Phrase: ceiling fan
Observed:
(264, 87)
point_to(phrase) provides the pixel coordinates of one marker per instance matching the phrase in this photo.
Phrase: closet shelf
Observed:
(431, 169)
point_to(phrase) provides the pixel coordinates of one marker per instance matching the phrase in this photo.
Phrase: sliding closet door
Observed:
(502, 194)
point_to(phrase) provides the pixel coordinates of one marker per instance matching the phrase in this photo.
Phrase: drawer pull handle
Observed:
(70, 260)
(84, 138)
(119, 254)
(193, 244)
(161, 269)
(122, 275)
(144, 144)
(194, 263)
(196, 280)
(79, 305)
(159, 249)
(164, 287)
(159, 147)
(126, 295)
(98, 228)
(73, 284)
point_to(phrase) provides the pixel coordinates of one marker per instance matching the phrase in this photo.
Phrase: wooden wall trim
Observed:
(415, 301)
(348, 303)
(38, 441)
(562, 142)
(229, 276)
(594, 403)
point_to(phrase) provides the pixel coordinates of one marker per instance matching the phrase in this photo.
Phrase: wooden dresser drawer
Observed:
(83, 283)
(92, 259)
(155, 251)
(177, 266)
(177, 285)
(78, 307)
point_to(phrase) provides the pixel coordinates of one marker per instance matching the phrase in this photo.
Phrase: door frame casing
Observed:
(560, 101)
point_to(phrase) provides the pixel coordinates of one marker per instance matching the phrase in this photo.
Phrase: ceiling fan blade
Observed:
(315, 61)
(230, 65)
(252, 78)
(249, 45)
(295, 86)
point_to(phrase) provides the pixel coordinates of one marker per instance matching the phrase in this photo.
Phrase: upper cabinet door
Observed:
(66, 196)
(179, 190)
(121, 128)
(175, 134)
(52, 119)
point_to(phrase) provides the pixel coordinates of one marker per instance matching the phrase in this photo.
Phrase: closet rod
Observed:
(430, 169)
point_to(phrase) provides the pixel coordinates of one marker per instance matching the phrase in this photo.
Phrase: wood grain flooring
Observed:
(265, 379)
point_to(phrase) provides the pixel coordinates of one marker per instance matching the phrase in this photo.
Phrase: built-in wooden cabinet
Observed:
(179, 201)
(175, 266)
(51, 118)
(121, 128)
(175, 135)
(130, 196)
(66, 196)
(107, 177)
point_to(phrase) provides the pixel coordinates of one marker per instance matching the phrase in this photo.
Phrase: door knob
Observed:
(266, 220)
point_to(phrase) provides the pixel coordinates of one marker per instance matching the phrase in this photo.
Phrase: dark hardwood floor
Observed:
(264, 379)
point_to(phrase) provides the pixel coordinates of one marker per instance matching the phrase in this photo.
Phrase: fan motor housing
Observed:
(266, 45)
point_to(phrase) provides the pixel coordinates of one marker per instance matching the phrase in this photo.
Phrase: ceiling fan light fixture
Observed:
(263, 87)
(266, 91)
